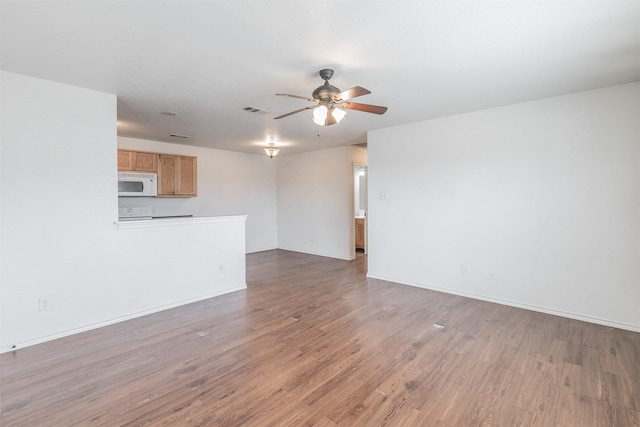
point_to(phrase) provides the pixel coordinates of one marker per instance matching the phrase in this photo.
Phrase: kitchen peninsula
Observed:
(175, 261)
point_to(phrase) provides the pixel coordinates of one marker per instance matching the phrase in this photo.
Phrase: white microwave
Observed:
(132, 184)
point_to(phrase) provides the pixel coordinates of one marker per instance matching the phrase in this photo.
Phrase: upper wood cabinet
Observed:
(177, 176)
(136, 161)
(125, 160)
(187, 176)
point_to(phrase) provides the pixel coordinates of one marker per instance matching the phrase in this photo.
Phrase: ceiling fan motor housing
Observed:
(326, 91)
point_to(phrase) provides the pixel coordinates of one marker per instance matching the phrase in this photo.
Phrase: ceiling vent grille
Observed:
(254, 110)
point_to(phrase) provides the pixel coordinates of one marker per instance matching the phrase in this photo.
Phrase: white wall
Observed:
(315, 201)
(229, 183)
(545, 194)
(58, 202)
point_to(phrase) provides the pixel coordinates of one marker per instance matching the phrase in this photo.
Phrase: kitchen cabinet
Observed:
(135, 161)
(359, 233)
(177, 176)
(125, 160)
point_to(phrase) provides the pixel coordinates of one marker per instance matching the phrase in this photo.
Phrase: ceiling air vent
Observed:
(254, 110)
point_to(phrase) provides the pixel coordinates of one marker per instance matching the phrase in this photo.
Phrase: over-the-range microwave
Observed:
(131, 184)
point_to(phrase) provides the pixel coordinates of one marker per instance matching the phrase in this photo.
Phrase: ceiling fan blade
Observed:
(367, 108)
(351, 93)
(295, 96)
(296, 111)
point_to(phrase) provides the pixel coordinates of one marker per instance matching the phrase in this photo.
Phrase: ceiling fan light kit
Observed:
(331, 102)
(323, 116)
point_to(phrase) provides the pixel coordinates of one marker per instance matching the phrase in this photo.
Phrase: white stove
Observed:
(131, 214)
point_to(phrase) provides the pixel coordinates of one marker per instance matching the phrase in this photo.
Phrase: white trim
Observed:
(122, 319)
(317, 254)
(167, 222)
(269, 248)
(566, 314)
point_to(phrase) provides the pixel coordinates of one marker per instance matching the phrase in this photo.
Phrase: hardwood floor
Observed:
(312, 341)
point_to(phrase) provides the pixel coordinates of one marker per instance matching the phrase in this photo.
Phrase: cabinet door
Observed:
(167, 175)
(177, 176)
(359, 233)
(125, 160)
(145, 162)
(187, 176)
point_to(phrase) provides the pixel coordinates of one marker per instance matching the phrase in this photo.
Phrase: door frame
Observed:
(356, 167)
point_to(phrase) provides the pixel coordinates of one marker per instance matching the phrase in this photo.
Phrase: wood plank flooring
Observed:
(312, 341)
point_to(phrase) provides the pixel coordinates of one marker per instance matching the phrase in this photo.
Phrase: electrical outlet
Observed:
(492, 275)
(221, 268)
(44, 304)
(464, 269)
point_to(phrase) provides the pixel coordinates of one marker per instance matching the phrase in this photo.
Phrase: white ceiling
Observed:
(207, 60)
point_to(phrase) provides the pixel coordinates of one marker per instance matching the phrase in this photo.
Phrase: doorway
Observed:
(360, 207)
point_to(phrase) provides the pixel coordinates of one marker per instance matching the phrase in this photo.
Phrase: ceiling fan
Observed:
(331, 102)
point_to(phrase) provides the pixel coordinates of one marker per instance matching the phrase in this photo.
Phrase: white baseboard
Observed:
(546, 310)
(122, 319)
(347, 258)
(253, 251)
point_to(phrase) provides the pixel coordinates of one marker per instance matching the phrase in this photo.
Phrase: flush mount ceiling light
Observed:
(271, 152)
(331, 102)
